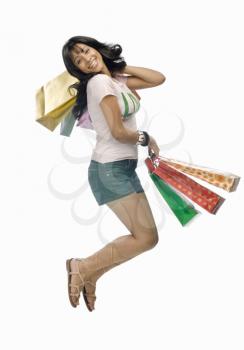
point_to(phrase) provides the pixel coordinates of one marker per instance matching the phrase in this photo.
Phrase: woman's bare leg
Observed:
(135, 213)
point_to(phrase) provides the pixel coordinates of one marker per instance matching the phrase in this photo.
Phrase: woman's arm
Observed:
(112, 114)
(141, 78)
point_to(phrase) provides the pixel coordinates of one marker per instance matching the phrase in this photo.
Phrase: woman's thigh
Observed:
(135, 213)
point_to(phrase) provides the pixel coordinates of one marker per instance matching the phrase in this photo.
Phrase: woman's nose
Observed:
(84, 57)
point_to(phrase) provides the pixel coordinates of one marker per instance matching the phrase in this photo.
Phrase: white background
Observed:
(187, 292)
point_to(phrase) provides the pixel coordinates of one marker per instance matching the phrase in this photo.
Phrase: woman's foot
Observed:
(89, 293)
(81, 281)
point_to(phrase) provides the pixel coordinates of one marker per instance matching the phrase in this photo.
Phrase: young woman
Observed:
(112, 104)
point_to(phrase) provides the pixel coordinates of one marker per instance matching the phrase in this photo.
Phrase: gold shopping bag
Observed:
(53, 100)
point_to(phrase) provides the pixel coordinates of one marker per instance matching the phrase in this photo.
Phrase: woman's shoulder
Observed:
(99, 82)
(98, 77)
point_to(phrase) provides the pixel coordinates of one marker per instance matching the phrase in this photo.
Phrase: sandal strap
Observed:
(75, 286)
(91, 284)
(93, 295)
(77, 272)
(90, 296)
(74, 273)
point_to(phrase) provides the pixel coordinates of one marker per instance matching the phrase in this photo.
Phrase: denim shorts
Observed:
(113, 180)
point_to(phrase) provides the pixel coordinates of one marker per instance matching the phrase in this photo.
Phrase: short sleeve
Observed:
(100, 86)
(121, 77)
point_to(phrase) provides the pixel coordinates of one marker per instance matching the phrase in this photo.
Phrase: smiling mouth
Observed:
(93, 63)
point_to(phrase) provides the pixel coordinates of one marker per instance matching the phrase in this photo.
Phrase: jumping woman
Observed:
(110, 98)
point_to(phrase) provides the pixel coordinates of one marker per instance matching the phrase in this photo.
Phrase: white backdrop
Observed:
(187, 292)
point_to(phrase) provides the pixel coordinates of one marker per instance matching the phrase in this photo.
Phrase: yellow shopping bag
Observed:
(53, 100)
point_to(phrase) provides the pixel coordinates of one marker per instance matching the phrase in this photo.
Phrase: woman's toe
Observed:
(90, 289)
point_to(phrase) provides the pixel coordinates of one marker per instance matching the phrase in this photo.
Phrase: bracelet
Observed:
(143, 138)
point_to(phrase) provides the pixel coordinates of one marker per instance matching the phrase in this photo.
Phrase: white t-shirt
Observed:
(107, 148)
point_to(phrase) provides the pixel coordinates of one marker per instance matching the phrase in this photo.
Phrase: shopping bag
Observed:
(224, 180)
(181, 208)
(54, 99)
(201, 195)
(85, 121)
(67, 123)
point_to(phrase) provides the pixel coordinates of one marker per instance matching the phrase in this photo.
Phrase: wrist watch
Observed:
(143, 138)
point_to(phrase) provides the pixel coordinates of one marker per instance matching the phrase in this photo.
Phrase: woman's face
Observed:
(86, 58)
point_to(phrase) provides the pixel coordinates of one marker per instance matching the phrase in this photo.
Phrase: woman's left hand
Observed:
(153, 149)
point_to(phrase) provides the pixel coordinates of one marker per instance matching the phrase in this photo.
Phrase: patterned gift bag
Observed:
(201, 195)
(181, 208)
(224, 180)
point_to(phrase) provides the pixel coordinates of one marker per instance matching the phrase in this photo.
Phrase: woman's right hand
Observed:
(153, 147)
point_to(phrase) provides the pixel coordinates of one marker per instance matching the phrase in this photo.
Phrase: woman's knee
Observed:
(150, 240)
(153, 240)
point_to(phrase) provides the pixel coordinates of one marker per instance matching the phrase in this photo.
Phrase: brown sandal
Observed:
(77, 294)
(79, 287)
(90, 295)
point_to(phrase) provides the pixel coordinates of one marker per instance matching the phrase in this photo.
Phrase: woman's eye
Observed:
(78, 62)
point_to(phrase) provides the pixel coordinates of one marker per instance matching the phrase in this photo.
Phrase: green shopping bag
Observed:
(183, 210)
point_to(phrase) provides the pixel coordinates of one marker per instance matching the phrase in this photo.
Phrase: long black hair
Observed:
(111, 57)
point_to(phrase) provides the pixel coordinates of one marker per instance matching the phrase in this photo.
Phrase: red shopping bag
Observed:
(181, 208)
(201, 195)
